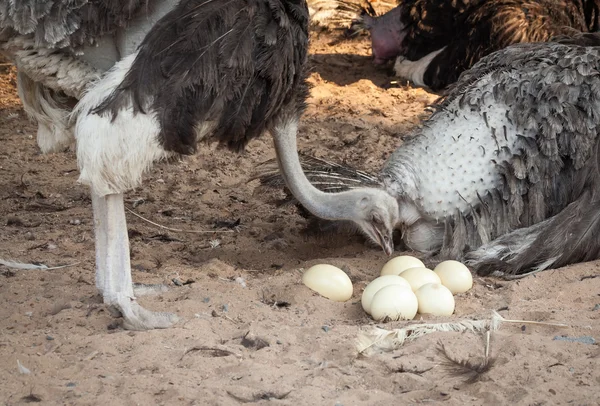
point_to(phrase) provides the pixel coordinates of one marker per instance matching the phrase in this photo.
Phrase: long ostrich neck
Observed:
(331, 206)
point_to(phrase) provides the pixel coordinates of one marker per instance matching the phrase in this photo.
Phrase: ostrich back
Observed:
(514, 143)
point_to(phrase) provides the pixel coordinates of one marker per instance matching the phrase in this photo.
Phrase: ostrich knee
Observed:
(414, 70)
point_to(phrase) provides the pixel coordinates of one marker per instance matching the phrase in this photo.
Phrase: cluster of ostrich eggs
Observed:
(406, 287)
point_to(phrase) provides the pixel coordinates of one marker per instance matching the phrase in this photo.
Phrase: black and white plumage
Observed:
(506, 172)
(137, 82)
(433, 41)
(221, 70)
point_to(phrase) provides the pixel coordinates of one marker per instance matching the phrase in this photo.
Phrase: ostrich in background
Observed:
(433, 41)
(506, 172)
(138, 81)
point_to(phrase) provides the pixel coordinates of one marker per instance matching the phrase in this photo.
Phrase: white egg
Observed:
(395, 302)
(377, 284)
(418, 277)
(435, 299)
(396, 265)
(455, 276)
(328, 281)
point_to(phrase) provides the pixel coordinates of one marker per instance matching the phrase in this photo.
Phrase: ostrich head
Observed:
(376, 214)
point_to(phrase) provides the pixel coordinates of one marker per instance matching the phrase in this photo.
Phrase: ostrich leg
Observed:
(113, 272)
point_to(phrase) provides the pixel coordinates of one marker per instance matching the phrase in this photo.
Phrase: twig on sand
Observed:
(176, 230)
(259, 396)
(20, 265)
(212, 351)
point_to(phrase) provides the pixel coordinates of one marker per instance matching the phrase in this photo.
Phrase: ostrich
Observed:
(136, 82)
(506, 171)
(433, 41)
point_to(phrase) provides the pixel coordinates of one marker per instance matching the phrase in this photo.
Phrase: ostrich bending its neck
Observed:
(183, 71)
(506, 172)
(374, 211)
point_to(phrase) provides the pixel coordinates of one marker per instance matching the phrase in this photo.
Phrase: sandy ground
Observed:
(271, 341)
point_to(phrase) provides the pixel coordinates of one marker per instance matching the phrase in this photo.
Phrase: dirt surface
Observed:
(250, 331)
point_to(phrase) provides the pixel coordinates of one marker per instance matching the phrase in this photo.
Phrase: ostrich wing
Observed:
(551, 93)
(67, 23)
(229, 69)
(327, 176)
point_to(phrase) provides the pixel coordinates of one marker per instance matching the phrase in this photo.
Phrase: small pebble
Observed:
(28, 314)
(29, 236)
(206, 300)
(49, 338)
(326, 328)
(75, 222)
(279, 342)
(71, 385)
(596, 308)
(581, 340)
(225, 308)
(241, 281)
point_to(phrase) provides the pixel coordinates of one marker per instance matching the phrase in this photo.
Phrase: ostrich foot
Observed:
(113, 267)
(135, 317)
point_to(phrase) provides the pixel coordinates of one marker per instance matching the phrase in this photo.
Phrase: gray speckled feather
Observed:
(540, 106)
(68, 23)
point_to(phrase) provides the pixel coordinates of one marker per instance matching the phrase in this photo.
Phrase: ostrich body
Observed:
(146, 80)
(433, 41)
(506, 171)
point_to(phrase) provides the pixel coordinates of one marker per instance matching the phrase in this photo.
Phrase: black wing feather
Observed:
(237, 63)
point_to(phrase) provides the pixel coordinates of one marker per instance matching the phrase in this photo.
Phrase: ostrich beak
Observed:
(388, 247)
(386, 242)
(382, 237)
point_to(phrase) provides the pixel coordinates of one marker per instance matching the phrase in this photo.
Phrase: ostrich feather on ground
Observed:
(470, 368)
(375, 339)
